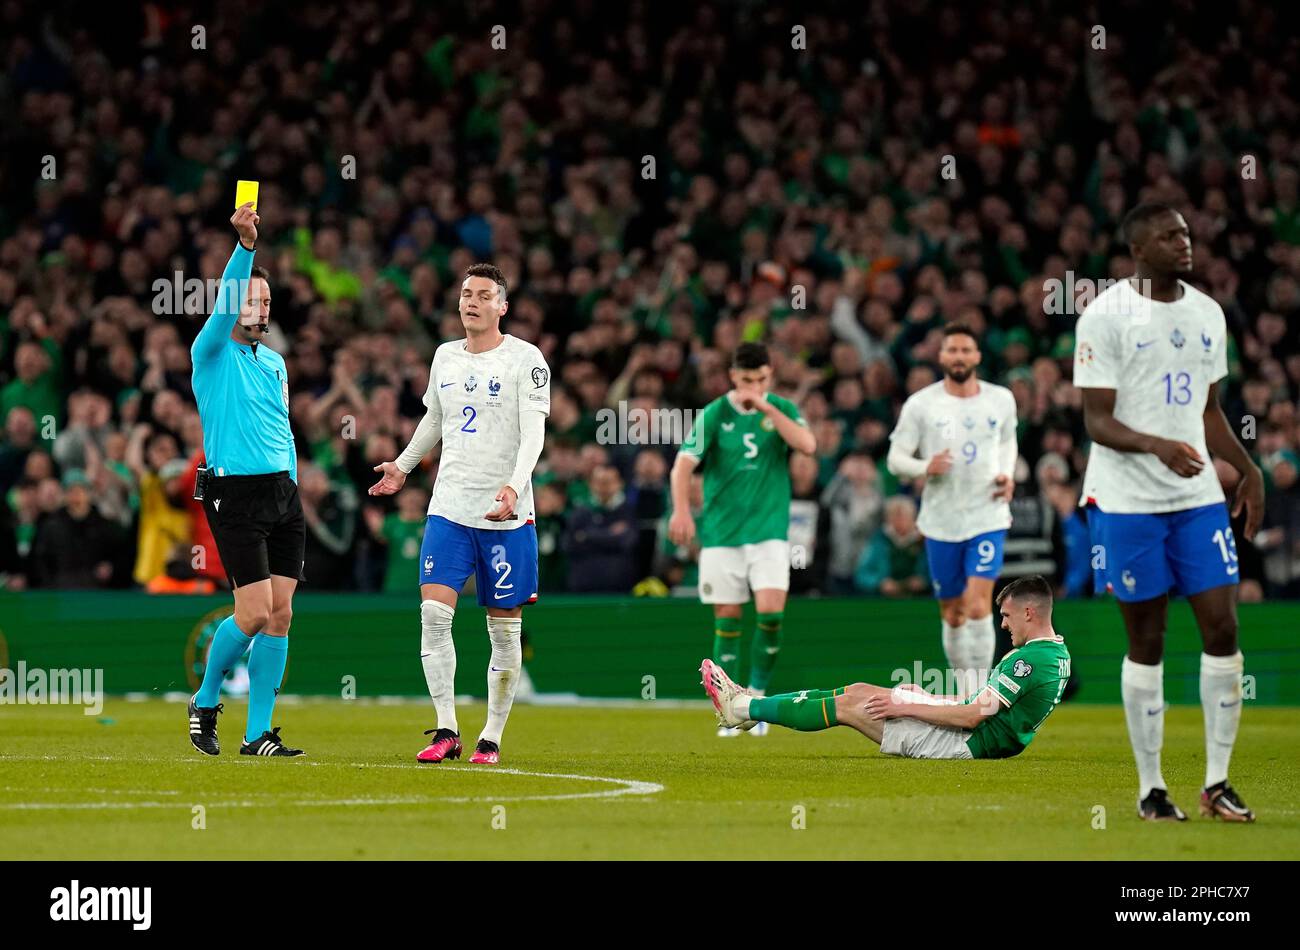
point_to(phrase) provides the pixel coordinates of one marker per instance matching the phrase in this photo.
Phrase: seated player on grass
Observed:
(996, 722)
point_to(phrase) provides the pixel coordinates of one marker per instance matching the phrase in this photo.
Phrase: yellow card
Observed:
(245, 191)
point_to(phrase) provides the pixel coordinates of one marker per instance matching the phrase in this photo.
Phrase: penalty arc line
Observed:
(627, 787)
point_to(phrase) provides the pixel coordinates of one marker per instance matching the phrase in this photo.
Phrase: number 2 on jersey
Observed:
(470, 415)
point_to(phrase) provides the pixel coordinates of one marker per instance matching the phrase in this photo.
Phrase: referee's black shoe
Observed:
(203, 727)
(268, 744)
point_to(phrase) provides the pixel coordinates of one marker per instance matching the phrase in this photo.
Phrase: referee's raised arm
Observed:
(234, 281)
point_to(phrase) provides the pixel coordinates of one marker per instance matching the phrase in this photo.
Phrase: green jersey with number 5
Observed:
(1028, 684)
(745, 464)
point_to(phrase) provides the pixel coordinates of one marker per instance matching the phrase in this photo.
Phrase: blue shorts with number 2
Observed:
(504, 563)
(1142, 556)
(951, 562)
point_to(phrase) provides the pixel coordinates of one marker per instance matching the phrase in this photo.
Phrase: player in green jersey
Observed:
(741, 443)
(997, 722)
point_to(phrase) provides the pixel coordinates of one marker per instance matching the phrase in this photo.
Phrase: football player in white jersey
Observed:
(488, 398)
(965, 431)
(1149, 353)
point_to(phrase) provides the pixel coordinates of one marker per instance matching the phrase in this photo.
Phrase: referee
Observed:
(250, 494)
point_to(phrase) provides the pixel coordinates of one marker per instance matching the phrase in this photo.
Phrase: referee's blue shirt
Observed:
(242, 390)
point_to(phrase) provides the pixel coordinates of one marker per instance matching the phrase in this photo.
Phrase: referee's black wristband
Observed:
(246, 247)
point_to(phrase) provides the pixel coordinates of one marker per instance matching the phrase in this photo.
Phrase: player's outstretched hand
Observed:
(1179, 457)
(506, 501)
(1250, 495)
(1004, 486)
(245, 220)
(681, 527)
(940, 463)
(391, 482)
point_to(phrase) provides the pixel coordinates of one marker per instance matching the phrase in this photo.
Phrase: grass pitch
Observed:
(612, 782)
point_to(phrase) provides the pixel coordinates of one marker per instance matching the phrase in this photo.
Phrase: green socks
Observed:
(767, 644)
(726, 648)
(808, 711)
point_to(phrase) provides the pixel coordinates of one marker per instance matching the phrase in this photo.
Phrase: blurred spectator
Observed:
(34, 387)
(155, 460)
(856, 505)
(810, 527)
(893, 563)
(400, 533)
(601, 536)
(330, 509)
(648, 496)
(552, 566)
(18, 442)
(179, 576)
(75, 546)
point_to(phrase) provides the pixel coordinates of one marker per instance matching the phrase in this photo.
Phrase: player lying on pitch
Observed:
(996, 722)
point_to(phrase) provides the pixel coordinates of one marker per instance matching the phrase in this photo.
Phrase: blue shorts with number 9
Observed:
(1142, 556)
(504, 563)
(951, 562)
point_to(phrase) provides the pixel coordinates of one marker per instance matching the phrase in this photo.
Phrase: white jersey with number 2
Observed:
(480, 397)
(959, 504)
(1161, 359)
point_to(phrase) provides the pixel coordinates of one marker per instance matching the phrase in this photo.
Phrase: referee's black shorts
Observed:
(258, 524)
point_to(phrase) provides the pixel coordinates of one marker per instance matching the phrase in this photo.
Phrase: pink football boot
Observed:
(486, 753)
(445, 744)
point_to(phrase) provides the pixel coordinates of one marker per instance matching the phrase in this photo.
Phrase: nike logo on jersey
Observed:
(445, 385)
(1143, 346)
(500, 596)
(1223, 705)
(1155, 712)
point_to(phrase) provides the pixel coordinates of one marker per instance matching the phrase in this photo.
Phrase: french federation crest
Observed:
(494, 387)
(1177, 338)
(1206, 342)
(968, 422)
(993, 423)
(1021, 668)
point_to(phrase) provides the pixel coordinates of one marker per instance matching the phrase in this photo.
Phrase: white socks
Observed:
(969, 649)
(438, 656)
(1221, 703)
(503, 673)
(1143, 688)
(980, 646)
(954, 648)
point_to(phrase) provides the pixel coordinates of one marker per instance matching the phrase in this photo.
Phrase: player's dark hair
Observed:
(262, 272)
(960, 329)
(491, 272)
(749, 356)
(1032, 587)
(1134, 225)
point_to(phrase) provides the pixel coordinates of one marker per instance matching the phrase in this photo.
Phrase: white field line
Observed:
(625, 787)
